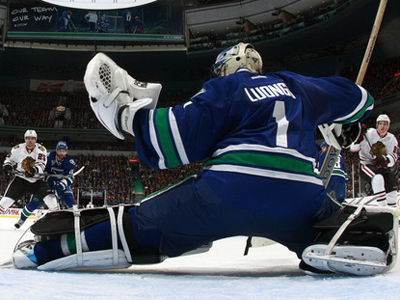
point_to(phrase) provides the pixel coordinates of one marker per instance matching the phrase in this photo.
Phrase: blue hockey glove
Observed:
(60, 186)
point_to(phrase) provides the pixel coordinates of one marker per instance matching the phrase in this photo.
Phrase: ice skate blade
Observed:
(355, 260)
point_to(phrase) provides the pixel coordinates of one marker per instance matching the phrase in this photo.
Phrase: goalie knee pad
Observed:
(357, 240)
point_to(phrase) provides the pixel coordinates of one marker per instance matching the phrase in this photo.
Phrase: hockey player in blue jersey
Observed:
(338, 180)
(59, 163)
(257, 132)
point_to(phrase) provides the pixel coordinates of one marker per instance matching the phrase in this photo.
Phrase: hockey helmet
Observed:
(239, 56)
(30, 133)
(324, 144)
(382, 118)
(62, 145)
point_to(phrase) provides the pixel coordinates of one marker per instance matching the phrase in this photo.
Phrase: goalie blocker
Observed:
(360, 240)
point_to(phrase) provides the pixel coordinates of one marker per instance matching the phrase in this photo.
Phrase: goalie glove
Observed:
(115, 97)
(340, 136)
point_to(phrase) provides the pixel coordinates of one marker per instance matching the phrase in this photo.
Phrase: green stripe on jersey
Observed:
(165, 137)
(340, 173)
(370, 101)
(71, 243)
(265, 160)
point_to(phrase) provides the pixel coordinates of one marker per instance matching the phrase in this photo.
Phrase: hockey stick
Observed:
(50, 175)
(332, 152)
(65, 176)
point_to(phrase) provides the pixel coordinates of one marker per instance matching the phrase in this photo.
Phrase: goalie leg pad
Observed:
(95, 260)
(346, 259)
(67, 221)
(62, 221)
(359, 240)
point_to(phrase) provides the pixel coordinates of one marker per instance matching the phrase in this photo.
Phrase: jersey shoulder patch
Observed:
(41, 148)
(16, 146)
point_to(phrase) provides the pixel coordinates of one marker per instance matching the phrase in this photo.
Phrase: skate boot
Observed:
(24, 257)
(19, 223)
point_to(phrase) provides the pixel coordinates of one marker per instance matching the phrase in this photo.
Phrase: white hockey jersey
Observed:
(364, 148)
(18, 154)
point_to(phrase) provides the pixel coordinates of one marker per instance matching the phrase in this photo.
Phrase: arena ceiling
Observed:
(343, 35)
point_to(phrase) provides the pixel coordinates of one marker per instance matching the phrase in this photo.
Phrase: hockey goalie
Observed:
(257, 132)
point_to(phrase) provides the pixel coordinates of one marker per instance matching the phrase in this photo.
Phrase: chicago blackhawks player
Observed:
(377, 150)
(27, 161)
(58, 163)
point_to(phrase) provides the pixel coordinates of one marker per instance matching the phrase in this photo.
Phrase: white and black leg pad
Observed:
(76, 221)
(358, 240)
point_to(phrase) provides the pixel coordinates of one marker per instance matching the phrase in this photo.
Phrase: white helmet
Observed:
(382, 118)
(236, 57)
(30, 133)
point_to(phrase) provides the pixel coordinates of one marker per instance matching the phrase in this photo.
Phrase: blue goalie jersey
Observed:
(257, 132)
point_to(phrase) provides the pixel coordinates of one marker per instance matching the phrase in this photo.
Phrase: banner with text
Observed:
(68, 86)
(156, 18)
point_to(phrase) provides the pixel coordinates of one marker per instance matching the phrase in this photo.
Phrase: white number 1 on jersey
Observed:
(280, 117)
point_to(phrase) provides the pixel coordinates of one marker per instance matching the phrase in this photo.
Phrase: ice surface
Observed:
(268, 272)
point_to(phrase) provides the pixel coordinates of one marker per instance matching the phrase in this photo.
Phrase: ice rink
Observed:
(268, 272)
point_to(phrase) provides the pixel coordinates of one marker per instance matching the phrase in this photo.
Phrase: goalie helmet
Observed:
(382, 118)
(62, 145)
(30, 133)
(236, 57)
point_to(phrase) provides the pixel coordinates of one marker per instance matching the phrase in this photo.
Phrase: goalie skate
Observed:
(111, 89)
(23, 257)
(346, 259)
